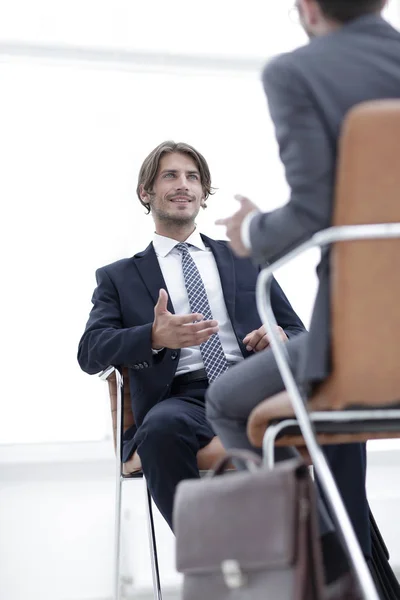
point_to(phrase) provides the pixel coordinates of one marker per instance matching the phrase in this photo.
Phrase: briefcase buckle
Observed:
(233, 575)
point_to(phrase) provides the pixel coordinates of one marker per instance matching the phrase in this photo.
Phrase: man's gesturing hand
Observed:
(233, 225)
(258, 339)
(178, 331)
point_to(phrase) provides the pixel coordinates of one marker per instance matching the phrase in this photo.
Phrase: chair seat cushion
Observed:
(272, 409)
(279, 408)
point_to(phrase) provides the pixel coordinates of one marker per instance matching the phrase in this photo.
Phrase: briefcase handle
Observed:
(252, 461)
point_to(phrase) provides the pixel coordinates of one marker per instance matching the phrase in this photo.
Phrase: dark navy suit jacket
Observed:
(118, 331)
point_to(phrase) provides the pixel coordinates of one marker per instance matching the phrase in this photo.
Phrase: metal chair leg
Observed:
(117, 536)
(269, 441)
(322, 470)
(269, 447)
(153, 548)
(118, 486)
(119, 380)
(339, 513)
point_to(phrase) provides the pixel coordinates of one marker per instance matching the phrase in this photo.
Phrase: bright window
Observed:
(75, 128)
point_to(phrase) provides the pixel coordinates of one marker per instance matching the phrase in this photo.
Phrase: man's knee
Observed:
(216, 401)
(161, 432)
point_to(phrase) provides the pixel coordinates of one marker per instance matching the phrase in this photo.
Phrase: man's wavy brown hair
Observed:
(149, 169)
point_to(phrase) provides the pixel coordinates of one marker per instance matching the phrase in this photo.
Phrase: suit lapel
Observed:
(150, 272)
(224, 259)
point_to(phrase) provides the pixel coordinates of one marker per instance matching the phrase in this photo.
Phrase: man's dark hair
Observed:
(149, 168)
(347, 10)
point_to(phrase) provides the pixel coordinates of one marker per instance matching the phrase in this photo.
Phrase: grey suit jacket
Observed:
(309, 92)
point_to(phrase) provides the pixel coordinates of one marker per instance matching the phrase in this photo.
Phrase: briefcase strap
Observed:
(250, 459)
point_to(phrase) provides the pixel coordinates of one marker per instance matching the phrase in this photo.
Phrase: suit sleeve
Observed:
(308, 155)
(284, 313)
(105, 341)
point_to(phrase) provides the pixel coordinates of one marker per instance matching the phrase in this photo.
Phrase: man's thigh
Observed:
(239, 390)
(183, 417)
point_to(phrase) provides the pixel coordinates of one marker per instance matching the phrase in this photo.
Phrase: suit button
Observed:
(174, 355)
(135, 367)
(145, 364)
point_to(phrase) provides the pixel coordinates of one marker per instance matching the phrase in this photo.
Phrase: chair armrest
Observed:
(104, 375)
(342, 233)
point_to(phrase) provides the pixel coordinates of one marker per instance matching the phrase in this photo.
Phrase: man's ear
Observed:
(310, 12)
(203, 203)
(144, 196)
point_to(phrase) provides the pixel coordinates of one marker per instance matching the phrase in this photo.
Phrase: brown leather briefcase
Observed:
(250, 534)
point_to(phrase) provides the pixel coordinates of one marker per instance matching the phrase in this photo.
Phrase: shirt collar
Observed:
(163, 245)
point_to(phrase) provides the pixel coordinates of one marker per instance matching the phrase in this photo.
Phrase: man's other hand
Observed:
(258, 339)
(233, 225)
(178, 331)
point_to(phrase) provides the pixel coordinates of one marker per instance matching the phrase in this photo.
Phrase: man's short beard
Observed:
(175, 219)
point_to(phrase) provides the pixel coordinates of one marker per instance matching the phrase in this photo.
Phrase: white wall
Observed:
(57, 525)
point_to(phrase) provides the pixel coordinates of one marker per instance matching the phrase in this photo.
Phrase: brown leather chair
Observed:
(122, 419)
(360, 400)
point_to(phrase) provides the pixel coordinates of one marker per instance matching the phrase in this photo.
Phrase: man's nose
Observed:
(182, 182)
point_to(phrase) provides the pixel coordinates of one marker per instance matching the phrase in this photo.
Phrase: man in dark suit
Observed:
(353, 56)
(177, 315)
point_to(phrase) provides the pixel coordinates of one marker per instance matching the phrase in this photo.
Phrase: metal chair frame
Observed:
(119, 480)
(305, 420)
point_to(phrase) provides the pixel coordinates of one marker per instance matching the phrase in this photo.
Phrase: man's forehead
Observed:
(176, 161)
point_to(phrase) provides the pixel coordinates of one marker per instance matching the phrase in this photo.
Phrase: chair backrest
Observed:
(365, 275)
(128, 414)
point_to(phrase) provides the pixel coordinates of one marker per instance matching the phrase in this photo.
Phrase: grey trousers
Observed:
(232, 397)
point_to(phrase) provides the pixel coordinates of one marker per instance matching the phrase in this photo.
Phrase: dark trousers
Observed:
(175, 429)
(348, 463)
(168, 440)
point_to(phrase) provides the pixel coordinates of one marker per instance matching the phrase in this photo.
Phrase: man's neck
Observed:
(179, 233)
(329, 25)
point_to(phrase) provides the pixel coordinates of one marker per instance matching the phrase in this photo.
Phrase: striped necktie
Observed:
(212, 353)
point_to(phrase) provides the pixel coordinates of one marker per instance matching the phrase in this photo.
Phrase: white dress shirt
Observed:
(245, 228)
(171, 267)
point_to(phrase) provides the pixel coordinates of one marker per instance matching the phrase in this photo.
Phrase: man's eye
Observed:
(168, 175)
(193, 176)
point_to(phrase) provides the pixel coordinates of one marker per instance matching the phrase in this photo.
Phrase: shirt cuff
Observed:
(245, 228)
(156, 351)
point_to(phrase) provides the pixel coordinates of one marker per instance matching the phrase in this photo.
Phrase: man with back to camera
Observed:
(178, 315)
(353, 56)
